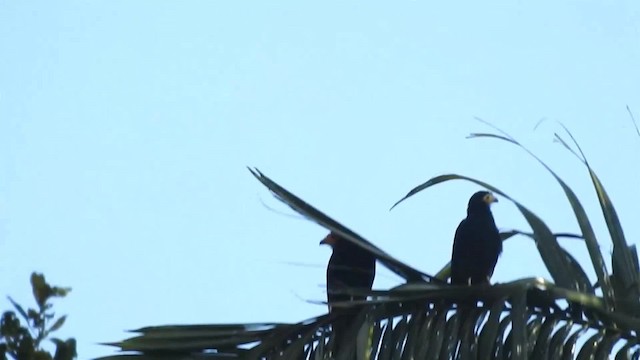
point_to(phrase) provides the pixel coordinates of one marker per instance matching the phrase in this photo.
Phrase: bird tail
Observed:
(342, 330)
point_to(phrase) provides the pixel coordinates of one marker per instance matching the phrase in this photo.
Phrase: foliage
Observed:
(22, 341)
(426, 318)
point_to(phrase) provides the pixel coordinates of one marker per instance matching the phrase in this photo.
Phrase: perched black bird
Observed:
(477, 243)
(350, 267)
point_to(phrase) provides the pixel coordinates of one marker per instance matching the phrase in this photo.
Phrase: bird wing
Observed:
(492, 249)
(463, 255)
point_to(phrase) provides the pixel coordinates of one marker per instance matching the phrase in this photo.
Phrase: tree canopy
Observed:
(571, 316)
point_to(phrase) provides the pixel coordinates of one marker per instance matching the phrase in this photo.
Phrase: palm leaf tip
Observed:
(414, 191)
(311, 213)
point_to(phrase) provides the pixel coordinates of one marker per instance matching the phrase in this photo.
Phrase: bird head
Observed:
(481, 200)
(489, 198)
(330, 240)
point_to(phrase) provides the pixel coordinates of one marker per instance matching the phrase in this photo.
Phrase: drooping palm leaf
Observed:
(624, 258)
(403, 270)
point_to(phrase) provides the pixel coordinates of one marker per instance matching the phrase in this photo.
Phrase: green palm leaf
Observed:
(403, 270)
(407, 324)
(625, 257)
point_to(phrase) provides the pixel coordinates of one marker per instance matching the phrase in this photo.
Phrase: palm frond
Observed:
(403, 270)
(625, 258)
(422, 322)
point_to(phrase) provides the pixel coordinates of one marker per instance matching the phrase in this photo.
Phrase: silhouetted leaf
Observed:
(58, 324)
(19, 309)
(403, 270)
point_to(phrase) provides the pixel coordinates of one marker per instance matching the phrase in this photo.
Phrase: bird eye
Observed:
(488, 198)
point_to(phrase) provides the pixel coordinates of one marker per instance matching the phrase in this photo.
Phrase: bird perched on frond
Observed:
(350, 267)
(477, 243)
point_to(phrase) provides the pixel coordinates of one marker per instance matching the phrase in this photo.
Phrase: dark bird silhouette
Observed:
(350, 267)
(477, 243)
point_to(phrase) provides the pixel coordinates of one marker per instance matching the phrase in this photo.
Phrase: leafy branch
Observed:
(23, 341)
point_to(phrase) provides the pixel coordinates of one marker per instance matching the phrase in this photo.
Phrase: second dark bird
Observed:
(350, 267)
(477, 243)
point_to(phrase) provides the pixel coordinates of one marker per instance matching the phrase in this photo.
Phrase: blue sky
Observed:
(125, 129)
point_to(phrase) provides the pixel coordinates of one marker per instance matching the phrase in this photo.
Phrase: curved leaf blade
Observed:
(301, 207)
(623, 260)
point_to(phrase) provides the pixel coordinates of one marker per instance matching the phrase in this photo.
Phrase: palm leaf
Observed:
(407, 324)
(624, 259)
(403, 270)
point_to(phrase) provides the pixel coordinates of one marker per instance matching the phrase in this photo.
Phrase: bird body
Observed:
(477, 243)
(350, 267)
